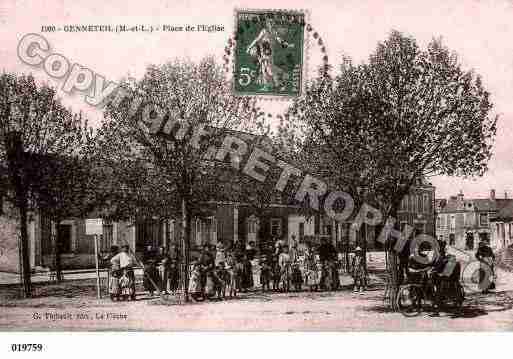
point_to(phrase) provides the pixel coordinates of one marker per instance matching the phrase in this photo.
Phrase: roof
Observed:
(454, 204)
(505, 213)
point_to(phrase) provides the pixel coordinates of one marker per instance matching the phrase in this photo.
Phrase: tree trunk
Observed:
(25, 265)
(365, 230)
(185, 249)
(393, 264)
(14, 146)
(394, 282)
(57, 252)
(348, 269)
(167, 238)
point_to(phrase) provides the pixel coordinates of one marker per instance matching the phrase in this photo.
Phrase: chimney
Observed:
(505, 194)
(492, 194)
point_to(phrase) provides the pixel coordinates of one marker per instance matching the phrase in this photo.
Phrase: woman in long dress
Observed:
(359, 270)
(486, 260)
(262, 48)
(195, 283)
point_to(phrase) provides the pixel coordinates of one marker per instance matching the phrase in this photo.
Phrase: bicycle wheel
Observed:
(409, 300)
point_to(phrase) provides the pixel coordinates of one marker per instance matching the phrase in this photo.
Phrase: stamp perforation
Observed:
(305, 56)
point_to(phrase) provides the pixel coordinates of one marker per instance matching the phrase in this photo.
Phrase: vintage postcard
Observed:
(255, 166)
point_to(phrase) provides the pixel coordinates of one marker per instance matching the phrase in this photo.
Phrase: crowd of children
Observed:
(282, 269)
(224, 271)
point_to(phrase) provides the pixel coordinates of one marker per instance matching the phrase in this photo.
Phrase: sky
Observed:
(480, 32)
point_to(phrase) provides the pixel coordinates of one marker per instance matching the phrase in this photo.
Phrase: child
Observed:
(231, 276)
(174, 276)
(284, 262)
(247, 277)
(358, 270)
(265, 274)
(314, 274)
(114, 289)
(195, 288)
(276, 275)
(221, 277)
(327, 277)
(124, 284)
(296, 277)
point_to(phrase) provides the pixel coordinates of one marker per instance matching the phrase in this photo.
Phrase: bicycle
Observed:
(411, 295)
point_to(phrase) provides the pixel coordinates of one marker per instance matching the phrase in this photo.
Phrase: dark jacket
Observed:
(327, 252)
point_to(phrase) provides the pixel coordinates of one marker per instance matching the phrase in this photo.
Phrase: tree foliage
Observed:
(53, 175)
(406, 113)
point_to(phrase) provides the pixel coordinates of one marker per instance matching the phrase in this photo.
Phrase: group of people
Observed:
(161, 270)
(225, 270)
(228, 268)
(121, 273)
(445, 272)
(222, 270)
(291, 267)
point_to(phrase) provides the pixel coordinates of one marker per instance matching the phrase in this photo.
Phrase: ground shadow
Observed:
(475, 305)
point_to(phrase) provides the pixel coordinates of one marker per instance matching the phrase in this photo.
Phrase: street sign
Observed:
(94, 226)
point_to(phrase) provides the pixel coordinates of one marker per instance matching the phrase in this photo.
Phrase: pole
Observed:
(185, 251)
(98, 290)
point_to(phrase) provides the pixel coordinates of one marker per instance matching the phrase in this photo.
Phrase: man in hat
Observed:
(328, 257)
(486, 258)
(359, 270)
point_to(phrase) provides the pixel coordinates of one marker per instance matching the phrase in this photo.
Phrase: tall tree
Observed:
(189, 96)
(42, 126)
(405, 114)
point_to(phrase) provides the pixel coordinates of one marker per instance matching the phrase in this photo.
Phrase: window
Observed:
(419, 203)
(453, 222)
(328, 230)
(438, 221)
(46, 235)
(404, 203)
(452, 239)
(106, 239)
(148, 233)
(469, 219)
(64, 236)
(301, 231)
(252, 225)
(205, 231)
(426, 203)
(483, 219)
(276, 227)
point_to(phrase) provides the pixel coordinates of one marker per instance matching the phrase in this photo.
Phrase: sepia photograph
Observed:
(255, 166)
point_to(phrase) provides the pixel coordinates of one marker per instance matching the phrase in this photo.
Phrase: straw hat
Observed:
(357, 249)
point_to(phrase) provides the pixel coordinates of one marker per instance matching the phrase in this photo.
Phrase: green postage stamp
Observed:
(269, 52)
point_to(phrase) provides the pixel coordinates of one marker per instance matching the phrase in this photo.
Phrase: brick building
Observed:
(462, 222)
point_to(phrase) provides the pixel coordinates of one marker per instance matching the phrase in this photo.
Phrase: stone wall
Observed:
(9, 255)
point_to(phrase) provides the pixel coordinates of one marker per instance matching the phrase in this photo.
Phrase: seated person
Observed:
(418, 265)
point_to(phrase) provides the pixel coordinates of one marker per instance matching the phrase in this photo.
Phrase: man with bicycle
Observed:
(429, 272)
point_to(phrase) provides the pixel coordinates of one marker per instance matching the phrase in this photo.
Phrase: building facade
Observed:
(463, 222)
(502, 227)
(418, 208)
